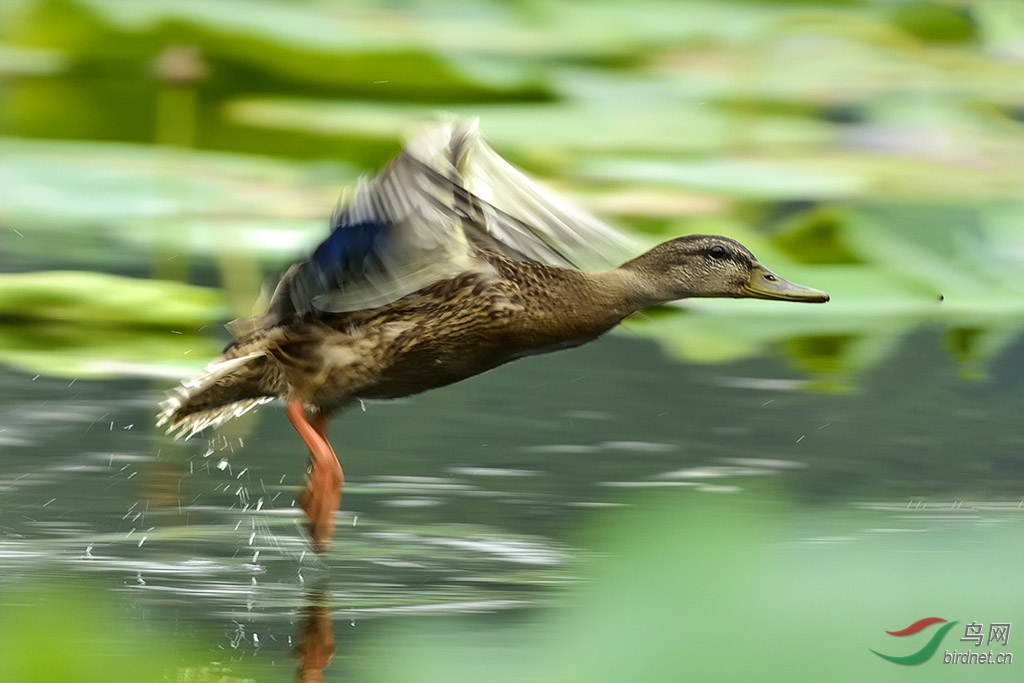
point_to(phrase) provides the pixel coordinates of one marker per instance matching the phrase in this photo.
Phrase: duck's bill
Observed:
(764, 284)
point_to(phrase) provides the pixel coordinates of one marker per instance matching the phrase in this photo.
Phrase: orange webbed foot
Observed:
(322, 495)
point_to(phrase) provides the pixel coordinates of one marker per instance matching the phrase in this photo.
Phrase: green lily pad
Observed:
(108, 204)
(548, 131)
(84, 324)
(80, 297)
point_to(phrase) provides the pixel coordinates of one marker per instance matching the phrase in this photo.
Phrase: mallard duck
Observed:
(447, 264)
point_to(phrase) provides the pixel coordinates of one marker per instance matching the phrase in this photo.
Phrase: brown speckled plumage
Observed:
(423, 283)
(451, 330)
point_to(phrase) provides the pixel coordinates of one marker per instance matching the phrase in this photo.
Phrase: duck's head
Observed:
(712, 266)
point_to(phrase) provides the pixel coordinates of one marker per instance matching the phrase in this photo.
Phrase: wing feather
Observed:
(424, 218)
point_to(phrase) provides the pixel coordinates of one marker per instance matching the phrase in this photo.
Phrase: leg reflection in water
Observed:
(315, 638)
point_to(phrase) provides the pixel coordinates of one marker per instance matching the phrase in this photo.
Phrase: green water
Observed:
(717, 491)
(501, 495)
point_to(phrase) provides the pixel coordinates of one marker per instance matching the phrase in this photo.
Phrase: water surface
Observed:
(480, 498)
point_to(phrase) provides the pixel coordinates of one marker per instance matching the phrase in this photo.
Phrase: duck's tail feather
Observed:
(227, 389)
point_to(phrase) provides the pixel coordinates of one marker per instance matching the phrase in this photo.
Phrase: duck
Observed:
(449, 263)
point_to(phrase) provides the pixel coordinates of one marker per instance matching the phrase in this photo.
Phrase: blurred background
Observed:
(722, 489)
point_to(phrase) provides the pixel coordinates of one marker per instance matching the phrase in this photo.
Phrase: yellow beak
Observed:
(764, 284)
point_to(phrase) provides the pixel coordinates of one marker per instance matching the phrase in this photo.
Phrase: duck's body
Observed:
(445, 333)
(450, 331)
(423, 283)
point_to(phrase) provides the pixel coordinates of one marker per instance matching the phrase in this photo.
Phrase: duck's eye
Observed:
(717, 251)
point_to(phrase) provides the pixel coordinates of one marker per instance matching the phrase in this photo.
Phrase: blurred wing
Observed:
(398, 234)
(423, 219)
(526, 217)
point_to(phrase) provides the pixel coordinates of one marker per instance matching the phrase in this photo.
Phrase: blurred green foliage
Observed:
(868, 148)
(88, 324)
(52, 632)
(98, 298)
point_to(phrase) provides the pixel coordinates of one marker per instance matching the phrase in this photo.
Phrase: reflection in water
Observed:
(315, 646)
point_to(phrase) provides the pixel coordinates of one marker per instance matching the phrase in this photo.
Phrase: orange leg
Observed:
(323, 485)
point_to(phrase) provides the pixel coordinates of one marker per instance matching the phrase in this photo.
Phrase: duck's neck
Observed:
(623, 291)
(564, 307)
(586, 305)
